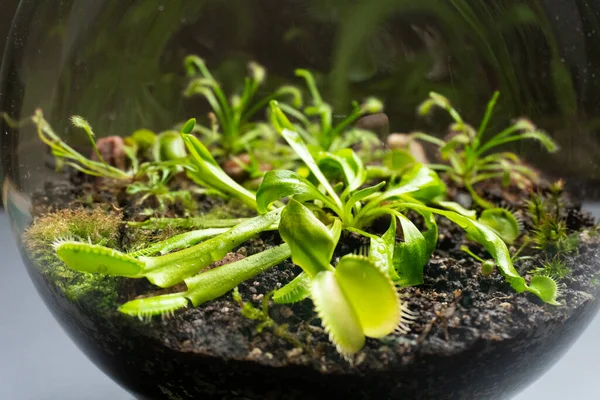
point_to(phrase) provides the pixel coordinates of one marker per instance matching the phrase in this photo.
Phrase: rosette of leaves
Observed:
(232, 129)
(471, 156)
(316, 123)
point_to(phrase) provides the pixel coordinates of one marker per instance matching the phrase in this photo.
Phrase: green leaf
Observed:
(344, 164)
(457, 208)
(144, 138)
(312, 244)
(361, 195)
(169, 146)
(172, 268)
(545, 288)
(188, 126)
(337, 314)
(411, 255)
(488, 239)
(91, 258)
(421, 183)
(296, 290)
(285, 128)
(279, 184)
(207, 170)
(216, 282)
(398, 161)
(371, 293)
(381, 251)
(208, 285)
(502, 222)
(431, 233)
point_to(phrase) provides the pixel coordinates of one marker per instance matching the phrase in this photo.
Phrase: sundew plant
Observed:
(355, 296)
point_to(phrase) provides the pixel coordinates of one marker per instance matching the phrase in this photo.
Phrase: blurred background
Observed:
(39, 362)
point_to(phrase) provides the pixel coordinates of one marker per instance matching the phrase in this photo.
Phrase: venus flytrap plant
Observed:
(355, 299)
(323, 132)
(66, 155)
(357, 208)
(233, 127)
(469, 155)
(204, 170)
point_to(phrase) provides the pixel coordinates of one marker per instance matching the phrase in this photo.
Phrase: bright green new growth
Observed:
(469, 155)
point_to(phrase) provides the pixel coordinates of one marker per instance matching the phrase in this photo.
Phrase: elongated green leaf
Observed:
(285, 128)
(421, 183)
(337, 314)
(312, 244)
(282, 183)
(502, 222)
(371, 293)
(488, 239)
(179, 242)
(398, 161)
(297, 290)
(411, 255)
(170, 269)
(208, 285)
(344, 164)
(208, 170)
(295, 141)
(431, 233)
(457, 208)
(216, 282)
(361, 195)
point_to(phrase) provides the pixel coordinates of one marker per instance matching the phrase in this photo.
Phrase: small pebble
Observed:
(257, 297)
(295, 352)
(360, 358)
(256, 352)
(506, 306)
(286, 312)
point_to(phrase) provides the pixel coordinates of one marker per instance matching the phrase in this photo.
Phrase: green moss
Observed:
(96, 226)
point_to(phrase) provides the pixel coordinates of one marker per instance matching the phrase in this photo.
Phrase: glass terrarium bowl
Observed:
(430, 240)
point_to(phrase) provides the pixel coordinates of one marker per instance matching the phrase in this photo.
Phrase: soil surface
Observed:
(473, 338)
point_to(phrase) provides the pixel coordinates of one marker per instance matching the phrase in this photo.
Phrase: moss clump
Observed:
(96, 226)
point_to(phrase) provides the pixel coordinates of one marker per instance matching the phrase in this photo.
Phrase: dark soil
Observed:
(474, 338)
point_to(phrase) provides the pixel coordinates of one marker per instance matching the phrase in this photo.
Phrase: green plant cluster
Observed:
(330, 193)
(469, 152)
(549, 233)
